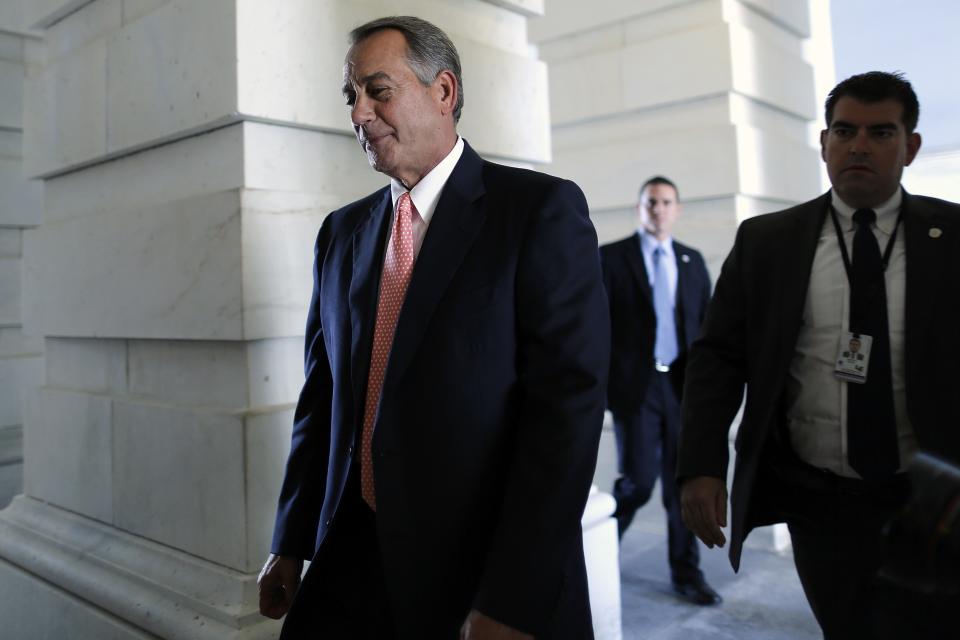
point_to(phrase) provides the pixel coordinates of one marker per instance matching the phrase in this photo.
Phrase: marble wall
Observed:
(21, 355)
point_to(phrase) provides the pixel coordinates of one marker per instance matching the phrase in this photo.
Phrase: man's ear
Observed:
(446, 90)
(913, 147)
(823, 144)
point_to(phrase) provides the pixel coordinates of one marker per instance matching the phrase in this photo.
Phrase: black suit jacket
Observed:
(487, 433)
(633, 320)
(750, 335)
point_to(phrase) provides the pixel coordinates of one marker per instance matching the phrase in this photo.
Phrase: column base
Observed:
(66, 576)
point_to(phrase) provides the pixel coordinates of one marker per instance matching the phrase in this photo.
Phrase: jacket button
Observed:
(349, 451)
(327, 523)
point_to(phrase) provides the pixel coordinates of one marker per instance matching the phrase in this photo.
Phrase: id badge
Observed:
(853, 357)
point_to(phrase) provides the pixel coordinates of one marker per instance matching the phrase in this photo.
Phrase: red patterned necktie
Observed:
(397, 267)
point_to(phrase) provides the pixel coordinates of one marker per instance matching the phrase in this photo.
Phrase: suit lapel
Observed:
(368, 246)
(634, 258)
(926, 252)
(453, 228)
(796, 262)
(684, 291)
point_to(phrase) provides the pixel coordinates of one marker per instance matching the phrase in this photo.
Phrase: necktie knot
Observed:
(864, 217)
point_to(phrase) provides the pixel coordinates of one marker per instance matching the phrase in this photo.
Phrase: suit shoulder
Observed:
(784, 219)
(945, 207)
(507, 177)
(344, 220)
(619, 246)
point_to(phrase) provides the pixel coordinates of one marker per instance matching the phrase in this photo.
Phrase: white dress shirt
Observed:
(648, 243)
(426, 194)
(816, 400)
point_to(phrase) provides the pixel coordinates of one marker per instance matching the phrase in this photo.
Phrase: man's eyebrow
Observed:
(377, 75)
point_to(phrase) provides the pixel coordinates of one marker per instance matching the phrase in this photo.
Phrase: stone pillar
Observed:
(21, 356)
(188, 152)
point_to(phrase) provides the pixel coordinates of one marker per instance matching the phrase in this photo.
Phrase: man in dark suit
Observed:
(457, 351)
(658, 290)
(823, 447)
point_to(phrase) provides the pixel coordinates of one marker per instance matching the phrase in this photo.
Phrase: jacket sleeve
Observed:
(715, 375)
(563, 329)
(301, 495)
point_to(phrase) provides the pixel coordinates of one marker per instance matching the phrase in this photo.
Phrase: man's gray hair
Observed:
(429, 50)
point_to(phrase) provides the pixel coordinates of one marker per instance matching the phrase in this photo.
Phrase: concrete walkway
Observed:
(763, 602)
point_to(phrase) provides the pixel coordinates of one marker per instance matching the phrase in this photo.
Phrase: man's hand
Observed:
(480, 627)
(278, 582)
(704, 504)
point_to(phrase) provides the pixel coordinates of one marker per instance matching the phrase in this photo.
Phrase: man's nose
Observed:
(362, 111)
(860, 142)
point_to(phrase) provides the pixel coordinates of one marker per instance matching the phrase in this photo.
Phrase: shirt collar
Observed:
(648, 243)
(887, 212)
(426, 193)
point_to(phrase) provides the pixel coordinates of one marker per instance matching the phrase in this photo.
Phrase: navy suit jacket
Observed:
(750, 335)
(490, 415)
(634, 321)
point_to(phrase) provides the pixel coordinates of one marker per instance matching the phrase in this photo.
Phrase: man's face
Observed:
(399, 122)
(866, 149)
(854, 345)
(658, 209)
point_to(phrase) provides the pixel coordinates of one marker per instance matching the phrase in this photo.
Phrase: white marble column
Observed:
(21, 355)
(189, 151)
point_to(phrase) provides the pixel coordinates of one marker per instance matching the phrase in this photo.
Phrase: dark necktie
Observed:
(871, 424)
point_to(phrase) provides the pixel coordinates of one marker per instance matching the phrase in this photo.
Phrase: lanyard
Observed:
(843, 245)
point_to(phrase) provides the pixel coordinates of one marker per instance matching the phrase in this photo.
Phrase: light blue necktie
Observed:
(665, 350)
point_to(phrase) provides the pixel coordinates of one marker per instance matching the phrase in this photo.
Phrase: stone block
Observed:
(43, 13)
(164, 271)
(11, 143)
(67, 451)
(63, 615)
(196, 373)
(10, 243)
(770, 74)
(602, 72)
(190, 50)
(83, 364)
(771, 166)
(135, 9)
(11, 46)
(14, 343)
(16, 375)
(790, 14)
(275, 371)
(279, 231)
(267, 447)
(699, 66)
(525, 7)
(701, 160)
(508, 115)
(92, 21)
(563, 18)
(179, 480)
(11, 94)
(10, 291)
(288, 159)
(11, 484)
(22, 201)
(195, 166)
(65, 111)
(11, 446)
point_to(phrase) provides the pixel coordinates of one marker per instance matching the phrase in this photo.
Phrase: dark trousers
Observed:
(836, 527)
(647, 448)
(343, 594)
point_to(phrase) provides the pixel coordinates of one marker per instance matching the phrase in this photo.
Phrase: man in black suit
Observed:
(822, 446)
(658, 290)
(457, 352)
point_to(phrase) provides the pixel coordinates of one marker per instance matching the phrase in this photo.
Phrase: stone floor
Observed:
(764, 601)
